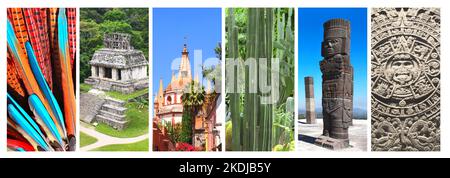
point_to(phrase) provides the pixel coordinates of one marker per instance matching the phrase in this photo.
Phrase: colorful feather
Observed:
(19, 27)
(13, 78)
(42, 114)
(66, 74)
(26, 123)
(72, 29)
(44, 87)
(19, 145)
(27, 76)
(41, 45)
(39, 40)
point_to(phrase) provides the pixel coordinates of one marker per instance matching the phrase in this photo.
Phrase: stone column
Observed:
(125, 74)
(101, 72)
(310, 106)
(93, 71)
(337, 84)
(145, 71)
(114, 74)
(135, 72)
(142, 73)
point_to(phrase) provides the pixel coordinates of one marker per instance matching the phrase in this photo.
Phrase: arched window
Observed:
(169, 100)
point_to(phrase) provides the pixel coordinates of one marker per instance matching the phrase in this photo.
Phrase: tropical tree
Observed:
(192, 99)
(174, 130)
(214, 73)
(186, 128)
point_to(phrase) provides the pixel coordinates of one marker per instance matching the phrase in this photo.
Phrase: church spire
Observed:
(160, 96)
(185, 65)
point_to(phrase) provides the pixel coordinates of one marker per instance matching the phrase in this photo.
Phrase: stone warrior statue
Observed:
(337, 83)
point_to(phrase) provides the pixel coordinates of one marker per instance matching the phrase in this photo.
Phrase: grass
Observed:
(86, 140)
(84, 88)
(137, 146)
(137, 125)
(126, 97)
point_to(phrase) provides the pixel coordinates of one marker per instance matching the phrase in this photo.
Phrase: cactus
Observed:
(234, 96)
(253, 127)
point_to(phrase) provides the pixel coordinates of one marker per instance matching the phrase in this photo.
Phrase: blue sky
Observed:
(310, 37)
(201, 26)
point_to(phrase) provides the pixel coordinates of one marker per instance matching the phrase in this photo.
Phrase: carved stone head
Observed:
(336, 38)
(402, 69)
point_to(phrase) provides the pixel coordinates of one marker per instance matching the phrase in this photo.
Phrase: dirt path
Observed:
(103, 140)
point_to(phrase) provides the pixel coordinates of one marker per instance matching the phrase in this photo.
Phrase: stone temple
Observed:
(337, 85)
(118, 66)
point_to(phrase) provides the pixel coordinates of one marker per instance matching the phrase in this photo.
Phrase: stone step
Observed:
(90, 106)
(112, 115)
(119, 125)
(114, 109)
(103, 85)
(114, 102)
(90, 81)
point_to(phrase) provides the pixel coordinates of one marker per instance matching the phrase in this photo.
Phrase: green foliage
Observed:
(228, 134)
(283, 126)
(214, 73)
(115, 15)
(287, 147)
(115, 26)
(126, 97)
(174, 132)
(284, 50)
(193, 97)
(91, 40)
(95, 22)
(186, 127)
(84, 88)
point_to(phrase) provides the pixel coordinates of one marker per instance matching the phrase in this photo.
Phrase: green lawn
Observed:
(138, 146)
(126, 97)
(137, 125)
(86, 140)
(84, 88)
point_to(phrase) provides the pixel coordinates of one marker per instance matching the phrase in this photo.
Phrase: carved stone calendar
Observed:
(405, 76)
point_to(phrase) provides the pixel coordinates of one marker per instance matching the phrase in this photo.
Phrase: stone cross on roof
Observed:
(119, 41)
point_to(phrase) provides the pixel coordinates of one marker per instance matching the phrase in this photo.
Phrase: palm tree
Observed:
(214, 73)
(193, 97)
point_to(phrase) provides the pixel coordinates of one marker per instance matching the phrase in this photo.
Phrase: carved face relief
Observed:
(402, 69)
(332, 46)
